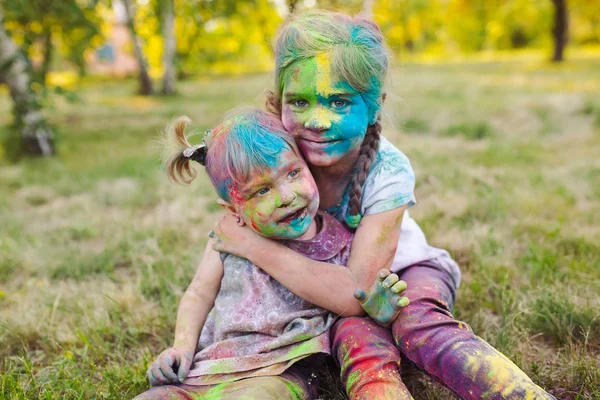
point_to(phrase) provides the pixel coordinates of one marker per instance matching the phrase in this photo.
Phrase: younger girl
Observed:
(258, 339)
(329, 77)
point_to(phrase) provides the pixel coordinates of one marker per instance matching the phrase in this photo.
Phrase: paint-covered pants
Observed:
(428, 335)
(296, 383)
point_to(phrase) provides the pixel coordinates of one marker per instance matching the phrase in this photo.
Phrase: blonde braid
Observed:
(366, 157)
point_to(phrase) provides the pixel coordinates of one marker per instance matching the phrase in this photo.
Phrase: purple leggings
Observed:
(428, 335)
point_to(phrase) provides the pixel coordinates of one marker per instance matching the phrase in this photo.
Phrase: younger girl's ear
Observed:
(227, 206)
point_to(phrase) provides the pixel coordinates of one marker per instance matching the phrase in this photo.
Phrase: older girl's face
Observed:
(327, 117)
(281, 202)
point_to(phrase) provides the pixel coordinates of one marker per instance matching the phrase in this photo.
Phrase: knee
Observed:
(425, 317)
(166, 392)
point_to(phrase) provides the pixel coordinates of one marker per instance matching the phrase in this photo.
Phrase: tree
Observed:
(144, 77)
(15, 71)
(44, 28)
(367, 9)
(560, 29)
(170, 46)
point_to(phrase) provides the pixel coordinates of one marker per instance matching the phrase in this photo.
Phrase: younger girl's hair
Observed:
(246, 141)
(358, 55)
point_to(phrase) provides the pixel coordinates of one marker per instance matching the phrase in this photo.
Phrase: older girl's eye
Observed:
(300, 103)
(263, 191)
(339, 103)
(294, 173)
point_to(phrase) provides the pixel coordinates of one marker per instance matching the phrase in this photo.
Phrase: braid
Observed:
(366, 156)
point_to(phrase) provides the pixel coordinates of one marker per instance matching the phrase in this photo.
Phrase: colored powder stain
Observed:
(323, 118)
(530, 395)
(353, 379)
(323, 82)
(215, 393)
(295, 389)
(507, 391)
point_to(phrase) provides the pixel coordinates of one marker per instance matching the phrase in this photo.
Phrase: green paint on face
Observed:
(328, 118)
(280, 203)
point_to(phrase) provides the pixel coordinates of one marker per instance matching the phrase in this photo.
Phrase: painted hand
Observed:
(384, 300)
(235, 239)
(171, 366)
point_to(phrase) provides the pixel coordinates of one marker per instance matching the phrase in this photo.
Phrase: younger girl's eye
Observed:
(339, 103)
(294, 173)
(263, 191)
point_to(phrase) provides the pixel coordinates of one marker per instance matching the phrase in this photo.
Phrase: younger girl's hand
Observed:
(384, 300)
(171, 366)
(235, 239)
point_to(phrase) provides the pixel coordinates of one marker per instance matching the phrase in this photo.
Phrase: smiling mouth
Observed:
(301, 213)
(320, 142)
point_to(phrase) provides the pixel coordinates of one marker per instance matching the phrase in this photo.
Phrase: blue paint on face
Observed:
(280, 202)
(326, 115)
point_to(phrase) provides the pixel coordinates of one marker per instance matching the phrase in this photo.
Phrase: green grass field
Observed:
(97, 246)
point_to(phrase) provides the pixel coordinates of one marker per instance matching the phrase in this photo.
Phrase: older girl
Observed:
(329, 93)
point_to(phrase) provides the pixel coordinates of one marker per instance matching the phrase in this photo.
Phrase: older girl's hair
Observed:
(246, 141)
(358, 56)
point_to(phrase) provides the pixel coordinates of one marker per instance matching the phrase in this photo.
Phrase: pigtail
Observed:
(178, 152)
(366, 157)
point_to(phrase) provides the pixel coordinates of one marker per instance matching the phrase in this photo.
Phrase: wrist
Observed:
(258, 250)
(184, 344)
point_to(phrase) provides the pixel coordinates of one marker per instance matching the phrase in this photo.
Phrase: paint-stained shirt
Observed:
(258, 327)
(390, 184)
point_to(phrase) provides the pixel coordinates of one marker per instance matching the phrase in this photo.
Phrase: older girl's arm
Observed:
(326, 285)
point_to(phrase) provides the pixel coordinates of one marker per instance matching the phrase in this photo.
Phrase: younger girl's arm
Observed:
(326, 285)
(173, 364)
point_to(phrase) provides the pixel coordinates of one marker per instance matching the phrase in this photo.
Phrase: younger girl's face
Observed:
(280, 203)
(328, 118)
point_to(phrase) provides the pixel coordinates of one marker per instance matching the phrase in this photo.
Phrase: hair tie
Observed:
(353, 220)
(196, 153)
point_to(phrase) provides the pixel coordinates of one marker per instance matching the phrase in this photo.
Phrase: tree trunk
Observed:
(367, 8)
(36, 135)
(560, 30)
(47, 60)
(170, 47)
(145, 82)
(292, 4)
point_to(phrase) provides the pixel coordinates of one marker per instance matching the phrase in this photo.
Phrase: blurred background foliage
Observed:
(235, 37)
(49, 45)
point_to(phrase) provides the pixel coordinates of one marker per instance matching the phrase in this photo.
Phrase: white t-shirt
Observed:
(390, 184)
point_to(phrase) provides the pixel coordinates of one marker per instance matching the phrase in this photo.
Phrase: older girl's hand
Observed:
(235, 239)
(384, 300)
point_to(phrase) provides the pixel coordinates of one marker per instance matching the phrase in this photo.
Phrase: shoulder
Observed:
(390, 162)
(390, 182)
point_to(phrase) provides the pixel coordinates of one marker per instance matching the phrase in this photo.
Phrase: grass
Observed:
(97, 246)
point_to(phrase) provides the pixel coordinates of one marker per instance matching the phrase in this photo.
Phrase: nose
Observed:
(318, 119)
(286, 197)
